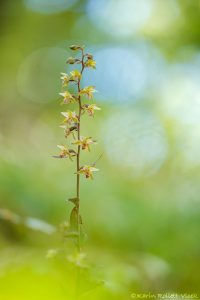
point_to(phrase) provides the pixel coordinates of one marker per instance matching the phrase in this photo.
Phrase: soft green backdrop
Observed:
(142, 211)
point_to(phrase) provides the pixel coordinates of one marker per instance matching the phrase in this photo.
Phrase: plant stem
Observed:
(78, 157)
(78, 180)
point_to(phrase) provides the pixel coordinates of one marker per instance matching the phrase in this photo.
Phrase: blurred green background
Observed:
(142, 211)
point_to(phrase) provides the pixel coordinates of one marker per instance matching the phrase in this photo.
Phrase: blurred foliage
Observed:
(143, 232)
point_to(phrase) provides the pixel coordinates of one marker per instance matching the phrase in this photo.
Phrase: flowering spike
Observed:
(71, 125)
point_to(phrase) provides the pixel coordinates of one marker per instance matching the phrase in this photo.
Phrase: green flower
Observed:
(75, 75)
(65, 79)
(90, 63)
(85, 142)
(87, 171)
(88, 91)
(70, 117)
(65, 152)
(67, 97)
(90, 108)
(69, 130)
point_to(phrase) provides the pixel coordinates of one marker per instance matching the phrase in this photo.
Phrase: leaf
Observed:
(74, 218)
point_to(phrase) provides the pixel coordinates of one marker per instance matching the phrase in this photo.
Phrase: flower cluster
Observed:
(72, 118)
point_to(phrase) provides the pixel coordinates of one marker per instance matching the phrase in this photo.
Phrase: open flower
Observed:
(65, 152)
(75, 75)
(85, 142)
(67, 97)
(90, 108)
(87, 171)
(90, 63)
(65, 79)
(69, 130)
(88, 91)
(70, 117)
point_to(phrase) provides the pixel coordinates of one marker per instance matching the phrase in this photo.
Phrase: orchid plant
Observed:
(72, 129)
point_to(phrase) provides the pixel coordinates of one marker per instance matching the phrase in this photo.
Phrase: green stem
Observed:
(78, 181)
(78, 157)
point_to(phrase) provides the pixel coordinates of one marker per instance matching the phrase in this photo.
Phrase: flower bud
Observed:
(72, 60)
(76, 47)
(89, 56)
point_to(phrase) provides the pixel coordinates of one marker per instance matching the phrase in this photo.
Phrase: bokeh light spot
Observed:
(135, 141)
(126, 73)
(181, 99)
(49, 6)
(164, 18)
(38, 76)
(120, 17)
(179, 102)
(189, 145)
